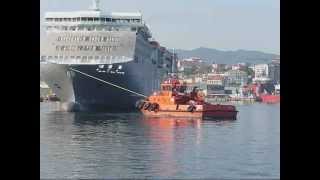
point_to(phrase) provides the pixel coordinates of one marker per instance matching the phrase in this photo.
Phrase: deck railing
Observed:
(112, 60)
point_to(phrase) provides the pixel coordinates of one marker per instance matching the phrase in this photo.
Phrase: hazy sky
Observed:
(188, 24)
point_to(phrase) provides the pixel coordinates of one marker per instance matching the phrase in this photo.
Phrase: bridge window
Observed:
(90, 19)
(98, 48)
(84, 19)
(96, 19)
(108, 19)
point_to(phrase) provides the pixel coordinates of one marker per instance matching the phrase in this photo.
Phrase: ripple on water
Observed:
(126, 145)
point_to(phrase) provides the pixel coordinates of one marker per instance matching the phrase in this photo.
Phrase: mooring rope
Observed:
(114, 85)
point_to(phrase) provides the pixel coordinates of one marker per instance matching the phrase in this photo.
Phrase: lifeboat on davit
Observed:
(173, 101)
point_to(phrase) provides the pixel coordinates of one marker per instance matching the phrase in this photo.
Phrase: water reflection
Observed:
(168, 135)
(165, 123)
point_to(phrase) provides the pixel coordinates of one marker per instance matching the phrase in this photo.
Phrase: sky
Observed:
(190, 24)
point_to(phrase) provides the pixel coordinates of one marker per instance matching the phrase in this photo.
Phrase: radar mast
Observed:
(95, 5)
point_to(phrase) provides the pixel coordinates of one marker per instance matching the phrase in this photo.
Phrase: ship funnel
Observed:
(95, 5)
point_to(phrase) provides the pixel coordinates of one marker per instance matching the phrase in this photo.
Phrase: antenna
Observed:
(95, 5)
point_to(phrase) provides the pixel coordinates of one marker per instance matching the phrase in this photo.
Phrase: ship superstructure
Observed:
(115, 47)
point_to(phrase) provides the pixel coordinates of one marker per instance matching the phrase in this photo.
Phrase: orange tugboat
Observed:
(172, 101)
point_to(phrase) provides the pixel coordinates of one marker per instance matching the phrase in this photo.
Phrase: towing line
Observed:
(114, 85)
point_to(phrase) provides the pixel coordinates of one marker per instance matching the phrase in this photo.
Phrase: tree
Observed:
(204, 69)
(189, 71)
(249, 71)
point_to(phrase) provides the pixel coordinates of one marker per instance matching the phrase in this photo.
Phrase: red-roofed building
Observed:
(216, 79)
(189, 63)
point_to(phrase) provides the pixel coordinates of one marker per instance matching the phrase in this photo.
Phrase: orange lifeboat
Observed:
(172, 101)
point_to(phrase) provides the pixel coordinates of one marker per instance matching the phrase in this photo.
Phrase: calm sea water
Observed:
(126, 145)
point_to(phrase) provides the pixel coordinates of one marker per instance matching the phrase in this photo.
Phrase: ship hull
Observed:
(231, 115)
(271, 99)
(83, 92)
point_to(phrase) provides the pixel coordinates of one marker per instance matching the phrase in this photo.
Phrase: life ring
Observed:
(146, 105)
(139, 104)
(152, 107)
(156, 107)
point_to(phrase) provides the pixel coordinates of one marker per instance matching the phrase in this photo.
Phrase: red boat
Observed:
(267, 98)
(172, 101)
